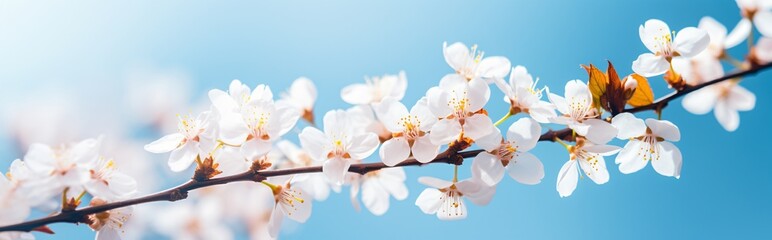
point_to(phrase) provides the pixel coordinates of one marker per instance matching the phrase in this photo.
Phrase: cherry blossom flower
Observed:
(510, 153)
(301, 96)
(445, 199)
(522, 95)
(758, 11)
(34, 187)
(202, 220)
(649, 142)
(338, 145)
(105, 181)
(317, 185)
(470, 64)
(409, 130)
(375, 89)
(184, 145)
(108, 224)
(589, 158)
(377, 186)
(458, 103)
(720, 40)
(13, 209)
(579, 114)
(763, 50)
(363, 120)
(664, 45)
(64, 167)
(289, 202)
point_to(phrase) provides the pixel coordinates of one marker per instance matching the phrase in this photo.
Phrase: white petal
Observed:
(664, 129)
(390, 112)
(568, 177)
(477, 126)
(421, 111)
(40, 158)
(700, 101)
(600, 132)
(233, 129)
(222, 101)
(526, 169)
(483, 196)
(336, 121)
(393, 180)
(182, 157)
(262, 93)
(304, 92)
(595, 169)
(429, 201)
(454, 214)
(739, 33)
(357, 94)
(727, 116)
(302, 210)
(363, 145)
(577, 89)
(424, 150)
(560, 103)
(763, 49)
(165, 144)
(691, 41)
(741, 99)
(542, 112)
(715, 30)
(669, 161)
(520, 78)
(314, 142)
(649, 65)
(437, 100)
(478, 93)
(650, 31)
(286, 117)
(491, 141)
(525, 133)
(763, 21)
(255, 148)
(335, 169)
(628, 125)
(494, 67)
(107, 233)
(487, 168)
(445, 131)
(603, 150)
(631, 158)
(375, 197)
(394, 151)
(274, 223)
(456, 55)
(434, 182)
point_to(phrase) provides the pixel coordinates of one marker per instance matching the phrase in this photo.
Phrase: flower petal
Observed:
(594, 168)
(568, 177)
(456, 55)
(165, 144)
(664, 129)
(763, 21)
(390, 112)
(542, 112)
(375, 197)
(233, 129)
(716, 31)
(526, 169)
(357, 94)
(182, 157)
(222, 101)
(691, 41)
(478, 93)
(628, 125)
(255, 148)
(651, 31)
(437, 100)
(726, 115)
(335, 169)
(560, 102)
(741, 99)
(487, 168)
(445, 131)
(524, 133)
(394, 151)
(650, 65)
(494, 67)
(491, 141)
(434, 182)
(424, 150)
(477, 126)
(668, 162)
(631, 158)
(429, 201)
(274, 223)
(363, 145)
(700, 101)
(314, 142)
(739, 33)
(600, 132)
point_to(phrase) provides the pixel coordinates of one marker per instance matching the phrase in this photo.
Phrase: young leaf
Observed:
(643, 95)
(598, 84)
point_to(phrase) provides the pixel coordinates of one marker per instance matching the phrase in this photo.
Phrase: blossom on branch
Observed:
(410, 131)
(510, 154)
(446, 199)
(649, 142)
(579, 113)
(665, 45)
(376, 89)
(523, 96)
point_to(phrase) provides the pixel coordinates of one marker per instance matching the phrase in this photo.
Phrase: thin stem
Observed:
(733, 61)
(502, 119)
(455, 173)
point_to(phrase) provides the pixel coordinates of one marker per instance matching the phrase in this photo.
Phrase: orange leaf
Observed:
(643, 95)
(598, 84)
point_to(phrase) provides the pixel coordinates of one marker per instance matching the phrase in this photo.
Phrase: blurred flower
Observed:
(720, 41)
(376, 89)
(579, 114)
(65, 167)
(202, 220)
(763, 50)
(289, 202)
(664, 45)
(510, 153)
(458, 103)
(362, 119)
(377, 186)
(760, 12)
(409, 130)
(185, 144)
(445, 199)
(13, 209)
(337, 145)
(301, 96)
(104, 181)
(649, 142)
(316, 184)
(470, 64)
(108, 224)
(590, 158)
(522, 95)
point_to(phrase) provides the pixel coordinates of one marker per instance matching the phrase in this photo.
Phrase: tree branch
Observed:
(449, 157)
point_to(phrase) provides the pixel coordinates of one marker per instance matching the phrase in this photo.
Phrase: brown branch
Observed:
(449, 157)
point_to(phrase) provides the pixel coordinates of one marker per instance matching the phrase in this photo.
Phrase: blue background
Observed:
(724, 192)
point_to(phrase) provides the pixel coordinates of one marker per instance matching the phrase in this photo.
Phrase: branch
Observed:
(449, 157)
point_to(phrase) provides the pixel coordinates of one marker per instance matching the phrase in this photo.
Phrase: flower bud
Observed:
(630, 84)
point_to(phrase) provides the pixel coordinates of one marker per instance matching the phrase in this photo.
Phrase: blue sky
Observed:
(88, 51)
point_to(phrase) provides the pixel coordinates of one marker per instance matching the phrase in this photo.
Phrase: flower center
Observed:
(411, 127)
(451, 201)
(581, 108)
(338, 150)
(664, 45)
(103, 171)
(469, 71)
(459, 103)
(506, 152)
(649, 150)
(287, 198)
(257, 121)
(188, 126)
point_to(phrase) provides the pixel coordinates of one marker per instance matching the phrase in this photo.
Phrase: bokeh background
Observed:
(122, 69)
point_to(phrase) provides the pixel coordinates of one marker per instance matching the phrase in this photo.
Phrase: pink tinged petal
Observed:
(691, 41)
(560, 102)
(429, 201)
(456, 55)
(445, 131)
(437, 100)
(668, 162)
(494, 67)
(394, 151)
(390, 112)
(424, 150)
(222, 101)
(478, 93)
(357, 94)
(568, 177)
(631, 158)
(628, 125)
(287, 118)
(701, 101)
(603, 150)
(650, 65)
(314, 142)
(262, 93)
(526, 169)
(664, 129)
(763, 49)
(763, 21)
(165, 144)
(739, 33)
(421, 111)
(487, 168)
(255, 148)
(716, 31)
(434, 182)
(233, 129)
(727, 116)
(478, 126)
(375, 197)
(650, 31)
(335, 169)
(363, 145)
(600, 132)
(524, 133)
(741, 99)
(490, 142)
(274, 223)
(182, 157)
(595, 169)
(542, 112)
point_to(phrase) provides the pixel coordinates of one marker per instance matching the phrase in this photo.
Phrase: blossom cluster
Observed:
(244, 129)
